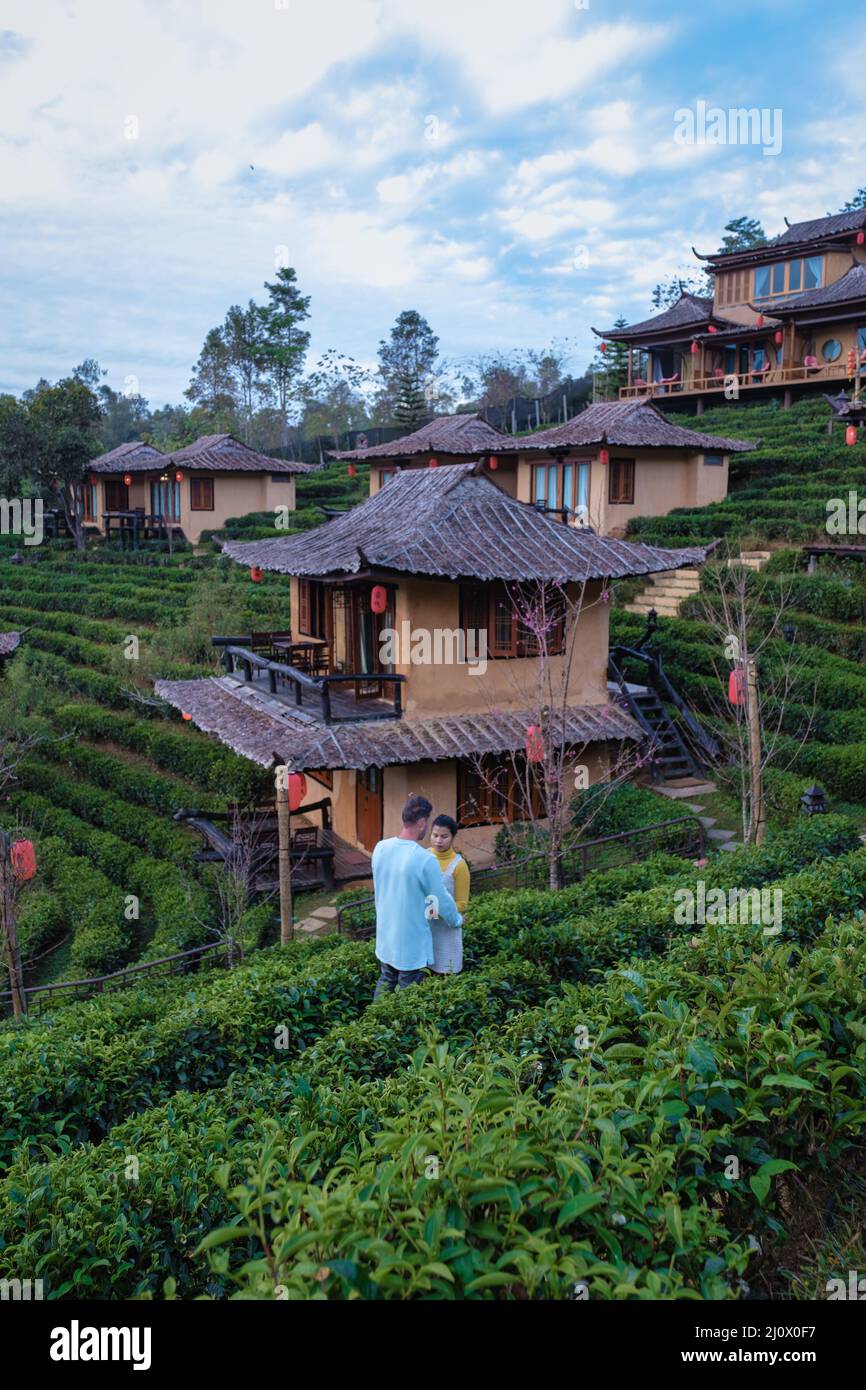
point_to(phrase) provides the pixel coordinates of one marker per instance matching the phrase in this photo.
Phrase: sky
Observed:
(514, 171)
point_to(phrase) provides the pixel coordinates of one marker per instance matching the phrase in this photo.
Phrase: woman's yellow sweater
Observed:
(460, 877)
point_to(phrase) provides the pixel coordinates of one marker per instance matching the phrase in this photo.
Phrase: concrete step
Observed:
(722, 835)
(682, 787)
(664, 604)
(678, 581)
(671, 591)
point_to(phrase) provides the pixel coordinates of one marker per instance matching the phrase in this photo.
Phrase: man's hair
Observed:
(416, 808)
(448, 821)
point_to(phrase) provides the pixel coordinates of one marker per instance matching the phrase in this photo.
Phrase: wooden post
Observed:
(10, 935)
(756, 775)
(284, 859)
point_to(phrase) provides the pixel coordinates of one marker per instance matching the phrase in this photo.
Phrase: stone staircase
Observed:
(751, 559)
(666, 591)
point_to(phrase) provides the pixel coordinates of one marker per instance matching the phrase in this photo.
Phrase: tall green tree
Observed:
(66, 419)
(284, 341)
(17, 446)
(855, 203)
(244, 336)
(408, 364)
(334, 396)
(742, 233)
(213, 387)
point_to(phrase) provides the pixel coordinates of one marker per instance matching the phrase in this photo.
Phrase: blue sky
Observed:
(508, 169)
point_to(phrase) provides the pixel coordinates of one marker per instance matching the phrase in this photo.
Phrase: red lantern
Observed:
(603, 456)
(603, 347)
(186, 716)
(851, 434)
(178, 477)
(711, 329)
(493, 462)
(378, 598)
(297, 790)
(759, 321)
(257, 574)
(777, 337)
(695, 348)
(737, 686)
(22, 857)
(861, 237)
(127, 480)
(535, 744)
(852, 362)
(352, 470)
(434, 463)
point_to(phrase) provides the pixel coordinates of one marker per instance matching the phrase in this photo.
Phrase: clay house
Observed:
(194, 489)
(613, 461)
(783, 318)
(434, 558)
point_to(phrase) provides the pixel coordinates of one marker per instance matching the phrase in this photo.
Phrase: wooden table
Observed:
(313, 648)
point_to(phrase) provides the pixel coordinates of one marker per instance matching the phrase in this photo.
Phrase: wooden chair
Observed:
(320, 659)
(262, 642)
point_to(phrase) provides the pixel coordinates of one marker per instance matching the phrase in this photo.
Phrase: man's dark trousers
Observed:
(390, 978)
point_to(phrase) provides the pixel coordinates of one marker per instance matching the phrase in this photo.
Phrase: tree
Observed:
(334, 396)
(612, 365)
(124, 416)
(284, 342)
(213, 387)
(669, 292)
(408, 362)
(741, 234)
(243, 333)
(410, 407)
(17, 445)
(857, 202)
(66, 419)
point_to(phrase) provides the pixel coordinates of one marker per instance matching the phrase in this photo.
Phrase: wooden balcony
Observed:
(715, 384)
(334, 697)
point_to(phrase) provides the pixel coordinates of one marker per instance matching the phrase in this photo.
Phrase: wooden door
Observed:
(116, 497)
(368, 806)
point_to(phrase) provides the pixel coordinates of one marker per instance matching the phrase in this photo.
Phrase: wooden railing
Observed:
(774, 376)
(318, 688)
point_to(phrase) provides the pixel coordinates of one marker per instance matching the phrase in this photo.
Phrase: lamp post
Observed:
(814, 801)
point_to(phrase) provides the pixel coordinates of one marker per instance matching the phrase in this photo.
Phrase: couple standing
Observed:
(420, 899)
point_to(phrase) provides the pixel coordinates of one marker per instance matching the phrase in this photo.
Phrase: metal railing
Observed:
(132, 974)
(683, 836)
(240, 658)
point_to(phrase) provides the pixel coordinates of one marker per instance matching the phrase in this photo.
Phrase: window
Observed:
(201, 494)
(621, 481)
(787, 277)
(282, 478)
(386, 474)
(713, 460)
(314, 609)
(90, 503)
(562, 487)
(493, 788)
(522, 621)
(165, 499)
(831, 350)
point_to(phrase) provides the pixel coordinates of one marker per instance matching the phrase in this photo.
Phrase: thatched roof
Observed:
(837, 224)
(213, 453)
(133, 457)
(631, 424)
(260, 728)
(690, 311)
(453, 523)
(448, 434)
(9, 643)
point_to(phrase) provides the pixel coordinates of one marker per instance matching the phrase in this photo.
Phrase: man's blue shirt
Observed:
(405, 878)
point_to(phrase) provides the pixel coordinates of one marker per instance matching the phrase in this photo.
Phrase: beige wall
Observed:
(504, 475)
(235, 494)
(662, 481)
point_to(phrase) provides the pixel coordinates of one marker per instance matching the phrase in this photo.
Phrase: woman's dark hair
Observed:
(448, 821)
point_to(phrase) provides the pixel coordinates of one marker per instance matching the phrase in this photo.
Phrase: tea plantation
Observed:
(605, 1102)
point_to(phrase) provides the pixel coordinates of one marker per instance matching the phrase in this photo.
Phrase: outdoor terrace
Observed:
(298, 675)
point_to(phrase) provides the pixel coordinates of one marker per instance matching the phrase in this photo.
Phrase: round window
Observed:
(831, 350)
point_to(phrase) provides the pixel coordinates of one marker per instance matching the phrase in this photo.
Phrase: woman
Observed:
(448, 941)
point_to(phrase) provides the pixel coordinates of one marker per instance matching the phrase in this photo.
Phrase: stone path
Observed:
(684, 787)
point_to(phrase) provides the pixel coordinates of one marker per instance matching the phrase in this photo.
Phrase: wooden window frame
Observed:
(89, 502)
(194, 485)
(509, 638)
(615, 468)
(772, 266)
(315, 610)
(494, 805)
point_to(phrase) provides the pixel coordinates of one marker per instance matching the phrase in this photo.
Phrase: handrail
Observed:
(705, 741)
(128, 972)
(234, 655)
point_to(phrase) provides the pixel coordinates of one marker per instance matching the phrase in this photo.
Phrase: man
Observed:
(408, 884)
